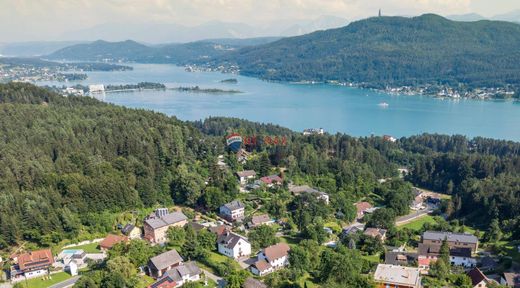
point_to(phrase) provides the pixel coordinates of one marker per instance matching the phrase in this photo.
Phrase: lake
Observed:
(298, 106)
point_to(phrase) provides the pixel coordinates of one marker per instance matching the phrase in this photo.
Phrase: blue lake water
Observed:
(297, 106)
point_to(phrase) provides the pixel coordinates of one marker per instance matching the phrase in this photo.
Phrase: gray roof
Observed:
(127, 229)
(435, 250)
(187, 269)
(246, 173)
(229, 239)
(305, 189)
(166, 259)
(400, 258)
(234, 205)
(166, 220)
(451, 237)
(253, 283)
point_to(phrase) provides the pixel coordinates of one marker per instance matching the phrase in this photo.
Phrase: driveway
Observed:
(219, 280)
(67, 283)
(412, 216)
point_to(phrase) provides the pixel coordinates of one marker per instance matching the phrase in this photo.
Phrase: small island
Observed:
(197, 89)
(138, 86)
(230, 81)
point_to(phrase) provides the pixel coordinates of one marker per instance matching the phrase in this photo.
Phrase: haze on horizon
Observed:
(114, 20)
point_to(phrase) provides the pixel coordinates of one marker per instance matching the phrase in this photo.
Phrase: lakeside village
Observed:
(232, 230)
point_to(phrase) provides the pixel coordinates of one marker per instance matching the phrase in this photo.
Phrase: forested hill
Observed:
(392, 51)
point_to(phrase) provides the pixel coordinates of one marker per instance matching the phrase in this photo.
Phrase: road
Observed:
(219, 280)
(407, 218)
(67, 283)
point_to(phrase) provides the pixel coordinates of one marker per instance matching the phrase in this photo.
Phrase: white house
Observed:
(233, 211)
(271, 258)
(233, 245)
(245, 175)
(179, 275)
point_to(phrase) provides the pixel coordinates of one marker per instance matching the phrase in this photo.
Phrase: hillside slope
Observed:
(384, 51)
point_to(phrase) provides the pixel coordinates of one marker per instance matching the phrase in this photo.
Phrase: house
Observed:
(400, 258)
(77, 256)
(276, 255)
(429, 253)
(219, 229)
(131, 231)
(258, 220)
(244, 176)
(297, 190)
(376, 233)
(510, 279)
(487, 263)
(362, 208)
(161, 263)
(417, 203)
(178, 276)
(31, 264)
(353, 229)
(242, 156)
(253, 283)
(478, 279)
(272, 180)
(397, 276)
(155, 228)
(459, 240)
(111, 240)
(233, 211)
(233, 245)
(261, 268)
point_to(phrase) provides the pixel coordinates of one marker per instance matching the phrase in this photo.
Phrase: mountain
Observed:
(466, 17)
(513, 16)
(31, 49)
(382, 51)
(132, 51)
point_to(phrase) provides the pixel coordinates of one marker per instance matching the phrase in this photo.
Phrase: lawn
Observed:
(371, 258)
(509, 248)
(88, 248)
(44, 282)
(418, 223)
(146, 281)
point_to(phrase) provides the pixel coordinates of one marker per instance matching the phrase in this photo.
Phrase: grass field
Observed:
(88, 248)
(44, 282)
(418, 223)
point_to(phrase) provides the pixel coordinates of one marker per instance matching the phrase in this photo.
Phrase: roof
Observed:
(112, 240)
(262, 265)
(128, 229)
(450, 237)
(230, 239)
(187, 269)
(220, 229)
(398, 275)
(35, 259)
(362, 206)
(253, 283)
(164, 282)
(276, 251)
(398, 258)
(260, 219)
(234, 205)
(166, 259)
(512, 279)
(166, 220)
(246, 173)
(270, 179)
(476, 276)
(196, 226)
(302, 189)
(375, 232)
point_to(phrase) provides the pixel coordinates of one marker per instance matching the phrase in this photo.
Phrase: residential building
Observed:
(253, 283)
(77, 256)
(242, 156)
(98, 88)
(429, 253)
(178, 276)
(376, 233)
(397, 276)
(155, 229)
(244, 176)
(161, 263)
(261, 268)
(276, 255)
(297, 190)
(458, 240)
(31, 264)
(353, 229)
(111, 240)
(258, 220)
(510, 279)
(272, 180)
(400, 258)
(233, 211)
(220, 229)
(131, 231)
(233, 245)
(478, 279)
(362, 208)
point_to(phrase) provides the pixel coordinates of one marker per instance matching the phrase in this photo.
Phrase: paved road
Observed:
(67, 283)
(219, 280)
(407, 218)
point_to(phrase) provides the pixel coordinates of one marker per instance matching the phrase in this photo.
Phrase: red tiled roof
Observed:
(276, 251)
(111, 240)
(362, 206)
(34, 259)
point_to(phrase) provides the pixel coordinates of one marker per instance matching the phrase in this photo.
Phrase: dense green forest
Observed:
(67, 161)
(392, 51)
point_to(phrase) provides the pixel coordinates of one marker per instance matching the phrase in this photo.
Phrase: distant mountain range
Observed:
(30, 49)
(132, 51)
(513, 16)
(382, 51)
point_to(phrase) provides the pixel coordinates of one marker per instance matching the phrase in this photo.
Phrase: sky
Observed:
(36, 20)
